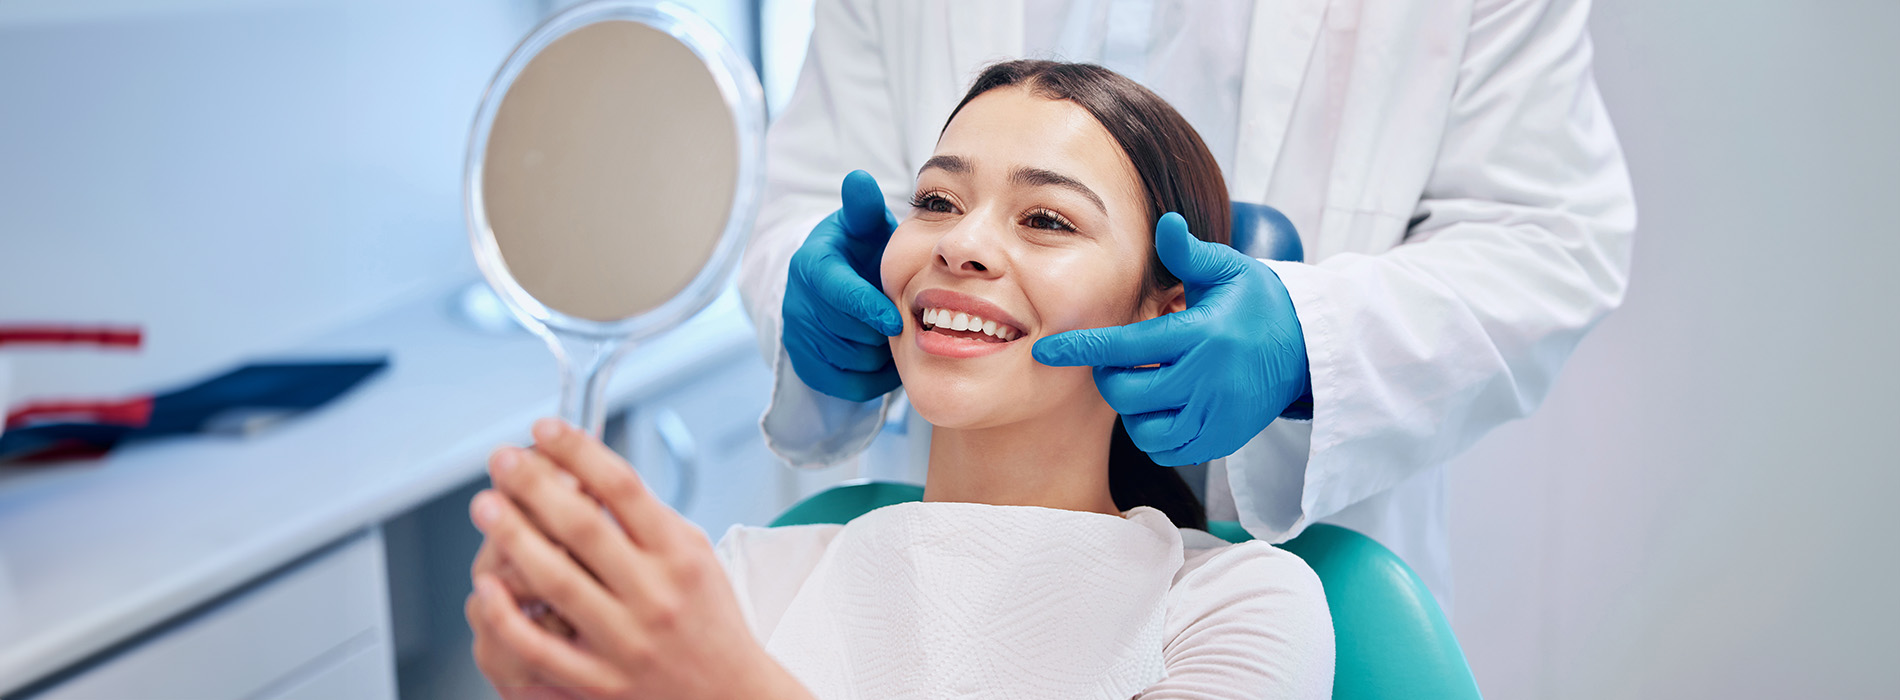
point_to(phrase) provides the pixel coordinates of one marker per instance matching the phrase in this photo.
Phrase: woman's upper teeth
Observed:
(959, 321)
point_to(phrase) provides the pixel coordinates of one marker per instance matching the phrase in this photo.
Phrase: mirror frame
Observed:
(737, 83)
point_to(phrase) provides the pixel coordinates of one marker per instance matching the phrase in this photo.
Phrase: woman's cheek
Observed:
(898, 265)
(1074, 297)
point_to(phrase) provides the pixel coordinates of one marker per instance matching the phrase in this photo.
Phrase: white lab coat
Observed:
(1462, 199)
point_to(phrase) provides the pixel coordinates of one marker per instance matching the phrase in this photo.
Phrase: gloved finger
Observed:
(1198, 449)
(1155, 432)
(1155, 341)
(845, 384)
(838, 286)
(1201, 449)
(1133, 391)
(812, 339)
(1164, 434)
(1208, 441)
(862, 386)
(845, 325)
(848, 355)
(1195, 261)
(866, 219)
(1186, 455)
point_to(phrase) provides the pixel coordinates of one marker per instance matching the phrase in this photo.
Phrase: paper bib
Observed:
(955, 600)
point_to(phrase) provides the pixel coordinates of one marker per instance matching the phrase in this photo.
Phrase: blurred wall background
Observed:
(238, 175)
(235, 175)
(1705, 507)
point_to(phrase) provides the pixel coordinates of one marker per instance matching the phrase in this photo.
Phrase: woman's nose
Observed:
(971, 250)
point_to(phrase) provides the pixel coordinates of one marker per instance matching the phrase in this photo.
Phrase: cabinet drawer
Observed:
(363, 674)
(299, 624)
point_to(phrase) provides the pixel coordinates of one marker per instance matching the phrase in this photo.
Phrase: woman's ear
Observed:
(1165, 302)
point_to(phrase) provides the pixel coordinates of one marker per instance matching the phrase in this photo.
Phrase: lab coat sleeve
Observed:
(840, 118)
(1519, 245)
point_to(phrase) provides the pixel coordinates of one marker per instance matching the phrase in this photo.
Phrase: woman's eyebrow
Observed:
(1036, 177)
(950, 164)
(1020, 177)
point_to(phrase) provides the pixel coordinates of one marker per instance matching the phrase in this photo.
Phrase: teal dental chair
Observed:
(1390, 638)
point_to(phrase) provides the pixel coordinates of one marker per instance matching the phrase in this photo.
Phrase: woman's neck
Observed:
(1055, 461)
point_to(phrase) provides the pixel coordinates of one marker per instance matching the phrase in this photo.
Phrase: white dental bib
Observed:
(944, 600)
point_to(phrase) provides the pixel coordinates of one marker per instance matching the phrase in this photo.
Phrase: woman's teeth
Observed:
(958, 321)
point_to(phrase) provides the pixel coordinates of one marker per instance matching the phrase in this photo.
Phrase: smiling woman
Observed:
(1041, 196)
(1040, 563)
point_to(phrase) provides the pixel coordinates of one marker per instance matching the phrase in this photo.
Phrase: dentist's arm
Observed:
(841, 118)
(1519, 245)
(838, 323)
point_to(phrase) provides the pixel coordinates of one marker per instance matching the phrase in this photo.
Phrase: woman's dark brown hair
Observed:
(1178, 174)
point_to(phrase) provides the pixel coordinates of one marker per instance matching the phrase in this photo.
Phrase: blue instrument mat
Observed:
(241, 401)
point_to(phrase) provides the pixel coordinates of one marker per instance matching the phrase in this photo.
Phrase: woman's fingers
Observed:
(609, 478)
(552, 501)
(507, 671)
(549, 573)
(502, 669)
(516, 640)
(488, 560)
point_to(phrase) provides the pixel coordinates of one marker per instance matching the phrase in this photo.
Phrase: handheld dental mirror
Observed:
(613, 171)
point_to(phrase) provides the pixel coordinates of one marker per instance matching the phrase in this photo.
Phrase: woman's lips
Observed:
(952, 324)
(958, 303)
(958, 344)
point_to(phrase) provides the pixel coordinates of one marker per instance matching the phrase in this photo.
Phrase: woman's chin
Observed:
(954, 408)
(964, 394)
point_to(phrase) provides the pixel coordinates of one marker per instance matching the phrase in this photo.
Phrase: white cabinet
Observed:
(318, 629)
(364, 674)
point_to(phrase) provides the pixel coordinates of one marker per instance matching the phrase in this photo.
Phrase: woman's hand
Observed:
(512, 675)
(652, 612)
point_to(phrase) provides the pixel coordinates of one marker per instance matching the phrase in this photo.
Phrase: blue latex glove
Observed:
(837, 320)
(1231, 362)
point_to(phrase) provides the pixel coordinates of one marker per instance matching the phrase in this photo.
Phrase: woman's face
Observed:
(1028, 216)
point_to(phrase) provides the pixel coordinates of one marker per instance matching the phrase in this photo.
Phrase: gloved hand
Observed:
(1231, 362)
(837, 320)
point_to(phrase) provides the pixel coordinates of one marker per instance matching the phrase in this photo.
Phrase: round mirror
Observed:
(613, 170)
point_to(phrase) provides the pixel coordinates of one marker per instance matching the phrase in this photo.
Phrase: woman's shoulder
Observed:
(1210, 561)
(1247, 615)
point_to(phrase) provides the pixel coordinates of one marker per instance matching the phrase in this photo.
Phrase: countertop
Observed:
(94, 552)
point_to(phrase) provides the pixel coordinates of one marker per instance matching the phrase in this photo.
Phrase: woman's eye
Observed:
(1047, 220)
(933, 202)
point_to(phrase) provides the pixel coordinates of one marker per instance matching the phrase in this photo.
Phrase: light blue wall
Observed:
(236, 175)
(231, 174)
(1705, 507)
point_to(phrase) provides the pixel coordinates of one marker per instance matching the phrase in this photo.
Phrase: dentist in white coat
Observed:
(1460, 194)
